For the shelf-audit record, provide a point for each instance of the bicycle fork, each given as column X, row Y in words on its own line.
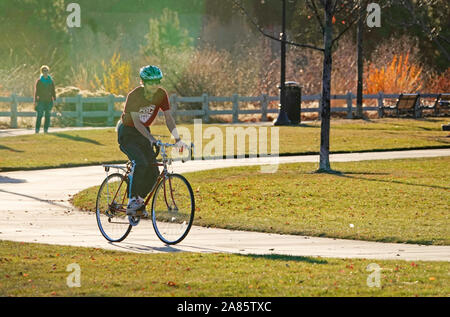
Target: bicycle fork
column 175, row 207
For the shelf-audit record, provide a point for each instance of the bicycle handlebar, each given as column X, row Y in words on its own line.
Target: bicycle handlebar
column 161, row 144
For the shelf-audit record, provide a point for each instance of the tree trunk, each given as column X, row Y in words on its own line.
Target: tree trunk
column 324, row 165
column 359, row 41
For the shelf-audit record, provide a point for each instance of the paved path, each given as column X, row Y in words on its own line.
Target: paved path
column 34, row 208
column 16, row 132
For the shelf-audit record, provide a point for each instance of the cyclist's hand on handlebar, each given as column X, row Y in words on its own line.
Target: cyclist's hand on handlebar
column 153, row 141
column 181, row 145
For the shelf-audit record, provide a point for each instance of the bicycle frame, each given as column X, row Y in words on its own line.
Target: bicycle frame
column 161, row 178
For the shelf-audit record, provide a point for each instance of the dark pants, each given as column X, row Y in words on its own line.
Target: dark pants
column 43, row 109
column 140, row 152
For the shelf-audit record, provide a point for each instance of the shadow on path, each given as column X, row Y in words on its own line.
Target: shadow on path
column 280, row 257
column 9, row 180
column 165, row 248
column 50, row 202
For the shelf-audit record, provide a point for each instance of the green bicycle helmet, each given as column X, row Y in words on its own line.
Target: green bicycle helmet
column 151, row 73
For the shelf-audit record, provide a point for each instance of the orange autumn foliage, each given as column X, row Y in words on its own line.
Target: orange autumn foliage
column 399, row 76
column 439, row 83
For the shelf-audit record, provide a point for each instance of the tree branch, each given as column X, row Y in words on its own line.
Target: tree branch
column 238, row 4
column 349, row 25
column 312, row 5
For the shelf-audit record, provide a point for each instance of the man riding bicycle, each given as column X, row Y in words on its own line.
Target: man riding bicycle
column 134, row 136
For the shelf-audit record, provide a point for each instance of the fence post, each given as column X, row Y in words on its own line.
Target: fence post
column 264, row 106
column 205, row 108
column 349, row 105
column 417, row 108
column 380, row 105
column 13, row 122
column 235, row 108
column 79, row 111
column 173, row 105
column 110, row 110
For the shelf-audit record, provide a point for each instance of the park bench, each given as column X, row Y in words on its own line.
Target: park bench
column 406, row 104
column 442, row 105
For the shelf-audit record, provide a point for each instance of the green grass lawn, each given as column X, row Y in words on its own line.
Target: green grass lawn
column 74, row 148
column 388, row 200
column 41, row 270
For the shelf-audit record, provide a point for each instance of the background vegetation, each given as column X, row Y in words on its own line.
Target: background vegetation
column 209, row 47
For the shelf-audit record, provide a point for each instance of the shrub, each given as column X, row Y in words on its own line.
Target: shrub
column 438, row 83
column 116, row 78
column 399, row 76
column 209, row 71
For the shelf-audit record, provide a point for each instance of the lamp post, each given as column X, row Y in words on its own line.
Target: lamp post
column 282, row 116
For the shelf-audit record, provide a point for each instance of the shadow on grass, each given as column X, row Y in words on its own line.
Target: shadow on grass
column 443, row 141
column 76, row 138
column 307, row 125
column 4, row 147
column 339, row 173
column 349, row 175
column 281, row 257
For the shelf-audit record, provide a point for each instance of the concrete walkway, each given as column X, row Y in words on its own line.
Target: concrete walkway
column 16, row 132
column 34, row 208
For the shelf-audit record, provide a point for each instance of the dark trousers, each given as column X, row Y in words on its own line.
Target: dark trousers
column 43, row 109
column 140, row 152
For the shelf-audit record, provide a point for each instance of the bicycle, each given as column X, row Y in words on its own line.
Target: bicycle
column 172, row 207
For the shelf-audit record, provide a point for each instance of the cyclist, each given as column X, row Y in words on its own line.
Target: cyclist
column 134, row 136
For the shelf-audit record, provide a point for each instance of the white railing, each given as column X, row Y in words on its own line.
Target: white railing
column 205, row 112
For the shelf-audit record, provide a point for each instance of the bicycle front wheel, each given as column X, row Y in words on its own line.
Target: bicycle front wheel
column 111, row 208
column 173, row 209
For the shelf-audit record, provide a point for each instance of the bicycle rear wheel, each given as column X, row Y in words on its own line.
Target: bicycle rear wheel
column 111, row 208
column 173, row 209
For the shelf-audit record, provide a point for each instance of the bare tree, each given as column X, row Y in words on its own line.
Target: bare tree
column 360, row 59
column 325, row 12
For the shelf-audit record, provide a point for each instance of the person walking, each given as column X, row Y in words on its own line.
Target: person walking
column 44, row 96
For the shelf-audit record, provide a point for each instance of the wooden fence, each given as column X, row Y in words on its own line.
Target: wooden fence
column 205, row 112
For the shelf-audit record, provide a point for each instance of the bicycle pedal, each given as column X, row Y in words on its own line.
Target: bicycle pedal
column 141, row 213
